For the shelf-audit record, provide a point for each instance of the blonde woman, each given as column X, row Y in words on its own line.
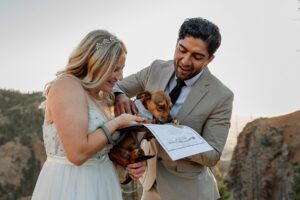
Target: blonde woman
column 79, row 130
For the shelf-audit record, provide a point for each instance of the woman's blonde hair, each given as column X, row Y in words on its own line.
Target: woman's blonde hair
column 94, row 60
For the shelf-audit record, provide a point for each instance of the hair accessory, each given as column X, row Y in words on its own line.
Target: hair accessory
column 105, row 42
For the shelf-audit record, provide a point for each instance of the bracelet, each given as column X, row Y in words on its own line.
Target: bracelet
column 107, row 134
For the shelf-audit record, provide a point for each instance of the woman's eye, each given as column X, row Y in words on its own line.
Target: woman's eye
column 118, row 69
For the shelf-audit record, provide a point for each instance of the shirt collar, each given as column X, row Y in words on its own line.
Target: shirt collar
column 190, row 82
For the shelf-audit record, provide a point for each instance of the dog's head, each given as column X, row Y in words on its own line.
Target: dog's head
column 158, row 103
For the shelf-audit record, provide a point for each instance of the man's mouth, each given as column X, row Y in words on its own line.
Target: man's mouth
column 184, row 70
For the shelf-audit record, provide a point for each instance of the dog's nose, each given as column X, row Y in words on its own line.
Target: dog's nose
column 170, row 119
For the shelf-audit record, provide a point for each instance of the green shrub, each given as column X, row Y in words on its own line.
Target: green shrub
column 224, row 191
column 296, row 182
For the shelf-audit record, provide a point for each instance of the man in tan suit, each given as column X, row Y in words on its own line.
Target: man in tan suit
column 204, row 104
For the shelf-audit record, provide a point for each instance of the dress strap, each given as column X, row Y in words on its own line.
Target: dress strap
column 101, row 107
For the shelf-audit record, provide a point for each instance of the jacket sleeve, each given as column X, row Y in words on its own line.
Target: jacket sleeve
column 134, row 83
column 215, row 132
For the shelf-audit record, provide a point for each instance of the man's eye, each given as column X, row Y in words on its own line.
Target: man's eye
column 198, row 57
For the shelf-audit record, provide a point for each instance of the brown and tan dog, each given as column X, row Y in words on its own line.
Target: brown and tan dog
column 128, row 150
column 158, row 103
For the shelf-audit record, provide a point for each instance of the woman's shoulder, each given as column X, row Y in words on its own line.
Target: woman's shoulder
column 67, row 83
column 67, row 87
column 66, row 95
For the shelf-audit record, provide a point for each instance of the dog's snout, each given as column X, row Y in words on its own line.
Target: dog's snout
column 170, row 119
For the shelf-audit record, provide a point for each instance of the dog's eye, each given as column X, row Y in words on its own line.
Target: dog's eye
column 161, row 106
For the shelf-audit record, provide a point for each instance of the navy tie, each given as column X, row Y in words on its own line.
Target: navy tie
column 174, row 94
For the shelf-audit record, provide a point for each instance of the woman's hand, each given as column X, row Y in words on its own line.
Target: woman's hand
column 125, row 120
column 136, row 170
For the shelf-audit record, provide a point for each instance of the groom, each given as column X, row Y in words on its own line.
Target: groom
column 200, row 101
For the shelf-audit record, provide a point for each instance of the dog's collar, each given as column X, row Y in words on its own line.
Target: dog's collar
column 142, row 110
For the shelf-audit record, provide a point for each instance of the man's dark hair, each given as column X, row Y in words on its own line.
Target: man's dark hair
column 202, row 29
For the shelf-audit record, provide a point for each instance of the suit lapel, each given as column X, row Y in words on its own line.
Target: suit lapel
column 167, row 74
column 196, row 94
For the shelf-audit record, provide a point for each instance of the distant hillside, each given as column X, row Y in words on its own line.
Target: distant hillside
column 266, row 160
column 237, row 125
column 21, row 148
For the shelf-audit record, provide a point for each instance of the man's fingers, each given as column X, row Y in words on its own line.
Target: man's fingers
column 119, row 109
column 133, row 108
column 137, row 165
column 137, row 169
column 126, row 107
column 135, row 176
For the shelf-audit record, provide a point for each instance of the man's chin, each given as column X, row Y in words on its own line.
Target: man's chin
column 183, row 76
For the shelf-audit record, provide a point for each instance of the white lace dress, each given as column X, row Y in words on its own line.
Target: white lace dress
column 61, row 180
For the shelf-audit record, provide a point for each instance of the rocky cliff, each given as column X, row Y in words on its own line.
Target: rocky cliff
column 265, row 162
column 21, row 148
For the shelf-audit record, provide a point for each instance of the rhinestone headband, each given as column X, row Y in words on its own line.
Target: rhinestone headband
column 105, row 42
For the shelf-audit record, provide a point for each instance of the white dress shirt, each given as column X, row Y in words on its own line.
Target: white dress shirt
column 184, row 91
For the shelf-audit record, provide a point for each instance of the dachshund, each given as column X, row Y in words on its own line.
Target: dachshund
column 154, row 106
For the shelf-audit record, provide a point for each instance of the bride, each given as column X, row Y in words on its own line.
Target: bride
column 79, row 129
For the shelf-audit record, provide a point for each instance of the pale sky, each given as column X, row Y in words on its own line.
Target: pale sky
column 259, row 58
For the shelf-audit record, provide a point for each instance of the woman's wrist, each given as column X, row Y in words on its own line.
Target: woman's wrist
column 107, row 134
column 118, row 122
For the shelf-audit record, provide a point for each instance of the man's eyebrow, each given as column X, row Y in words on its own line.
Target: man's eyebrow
column 181, row 45
column 199, row 54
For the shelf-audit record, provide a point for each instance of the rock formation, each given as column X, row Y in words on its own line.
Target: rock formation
column 266, row 159
column 21, row 148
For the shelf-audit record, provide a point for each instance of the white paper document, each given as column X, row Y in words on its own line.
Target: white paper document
column 178, row 141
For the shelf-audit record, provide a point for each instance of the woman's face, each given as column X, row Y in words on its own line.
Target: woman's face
column 117, row 75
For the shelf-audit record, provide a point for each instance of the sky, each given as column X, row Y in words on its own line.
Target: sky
column 259, row 58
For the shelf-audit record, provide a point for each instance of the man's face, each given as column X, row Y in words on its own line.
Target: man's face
column 190, row 57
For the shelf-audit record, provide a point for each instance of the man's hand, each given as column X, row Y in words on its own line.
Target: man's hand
column 123, row 104
column 136, row 170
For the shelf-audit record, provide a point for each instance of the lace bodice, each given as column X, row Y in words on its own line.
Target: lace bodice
column 52, row 141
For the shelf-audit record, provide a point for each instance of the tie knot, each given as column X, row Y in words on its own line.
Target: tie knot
column 174, row 94
column 180, row 83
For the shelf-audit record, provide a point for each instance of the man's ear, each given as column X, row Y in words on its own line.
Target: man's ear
column 143, row 96
column 210, row 59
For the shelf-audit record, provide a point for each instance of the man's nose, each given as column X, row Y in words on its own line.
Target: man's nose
column 186, row 60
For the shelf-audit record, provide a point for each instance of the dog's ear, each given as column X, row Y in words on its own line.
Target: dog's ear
column 143, row 96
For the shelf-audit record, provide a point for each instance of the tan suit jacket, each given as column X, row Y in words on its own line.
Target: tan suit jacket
column 207, row 109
